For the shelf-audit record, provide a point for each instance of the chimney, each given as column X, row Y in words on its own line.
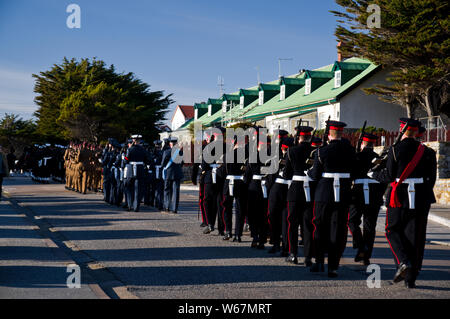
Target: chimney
column 339, row 52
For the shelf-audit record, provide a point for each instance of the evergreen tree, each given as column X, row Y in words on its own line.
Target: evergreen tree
column 412, row 40
column 89, row 101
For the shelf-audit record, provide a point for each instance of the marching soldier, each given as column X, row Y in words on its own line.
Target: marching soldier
column 208, row 189
column 299, row 193
column 308, row 227
column 367, row 198
column 332, row 167
column 234, row 189
column 159, row 183
column 411, row 171
column 136, row 161
column 257, row 191
column 172, row 175
column 277, row 213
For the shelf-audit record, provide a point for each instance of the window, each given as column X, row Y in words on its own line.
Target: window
column 308, row 86
column 209, row 110
column 283, row 92
column 196, row 114
column 261, row 97
column 242, row 101
column 337, row 79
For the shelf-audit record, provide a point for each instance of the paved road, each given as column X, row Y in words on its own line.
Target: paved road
column 154, row 255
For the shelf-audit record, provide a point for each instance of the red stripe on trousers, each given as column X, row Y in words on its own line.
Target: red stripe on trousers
column 203, row 203
column 386, row 231
column 314, row 217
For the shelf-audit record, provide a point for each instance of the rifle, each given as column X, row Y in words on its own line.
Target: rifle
column 380, row 162
column 358, row 145
column 327, row 131
column 297, row 134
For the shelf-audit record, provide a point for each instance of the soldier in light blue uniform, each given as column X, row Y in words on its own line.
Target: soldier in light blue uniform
column 172, row 175
column 136, row 160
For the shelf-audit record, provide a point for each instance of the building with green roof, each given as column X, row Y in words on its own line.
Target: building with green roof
column 334, row 90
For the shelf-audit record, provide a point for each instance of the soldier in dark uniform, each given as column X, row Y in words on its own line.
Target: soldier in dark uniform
column 299, row 194
column 332, row 169
column 149, row 198
column 195, row 176
column 208, row 181
column 159, row 183
column 234, row 189
column 106, row 160
column 308, row 226
column 367, row 198
column 136, row 161
column 172, row 175
column 277, row 212
column 255, row 178
column 411, row 170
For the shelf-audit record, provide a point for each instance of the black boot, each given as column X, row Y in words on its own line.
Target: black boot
column 402, row 272
column 292, row 259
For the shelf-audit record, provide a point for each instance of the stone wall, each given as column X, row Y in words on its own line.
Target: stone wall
column 442, row 187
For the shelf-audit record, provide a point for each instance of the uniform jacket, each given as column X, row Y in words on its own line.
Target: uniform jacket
column 175, row 171
column 362, row 166
column 398, row 158
column 296, row 165
column 336, row 157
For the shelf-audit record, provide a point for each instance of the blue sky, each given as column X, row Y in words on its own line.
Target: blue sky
column 178, row 46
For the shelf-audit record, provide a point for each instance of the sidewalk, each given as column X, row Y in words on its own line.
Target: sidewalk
column 32, row 267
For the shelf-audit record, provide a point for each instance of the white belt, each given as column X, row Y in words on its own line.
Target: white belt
column 411, row 190
column 231, row 179
column 305, row 179
column 158, row 167
column 45, row 160
column 263, row 184
column 366, row 182
column 135, row 165
column 283, row 181
column 214, row 172
column 336, row 184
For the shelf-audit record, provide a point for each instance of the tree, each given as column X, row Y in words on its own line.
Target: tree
column 16, row 132
column 89, row 101
column 412, row 40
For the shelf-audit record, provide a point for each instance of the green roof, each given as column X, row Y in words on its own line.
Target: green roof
column 298, row 101
column 292, row 81
column 243, row 92
column 269, row 87
column 230, row 97
column 200, row 106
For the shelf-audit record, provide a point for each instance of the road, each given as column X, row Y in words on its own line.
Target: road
column 44, row 228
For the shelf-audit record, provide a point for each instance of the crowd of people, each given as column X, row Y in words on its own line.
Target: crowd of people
column 322, row 189
column 134, row 173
